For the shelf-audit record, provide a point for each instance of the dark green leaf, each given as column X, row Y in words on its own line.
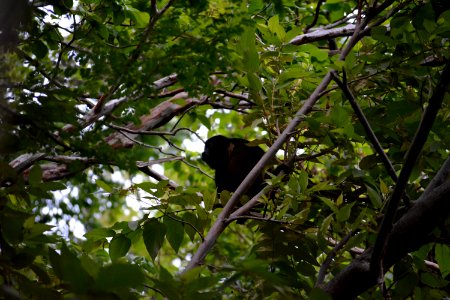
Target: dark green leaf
column 35, row 175
column 154, row 233
column 118, row 277
column 442, row 253
column 99, row 233
column 119, row 246
column 39, row 49
column 175, row 232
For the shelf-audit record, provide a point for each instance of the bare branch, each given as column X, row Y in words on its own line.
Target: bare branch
column 323, row 34
column 159, row 177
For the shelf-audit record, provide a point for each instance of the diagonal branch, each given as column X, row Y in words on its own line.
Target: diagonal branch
column 411, row 231
column 365, row 123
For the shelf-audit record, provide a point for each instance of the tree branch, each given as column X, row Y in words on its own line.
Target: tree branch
column 323, row 34
column 412, row 230
column 366, row 125
column 411, row 157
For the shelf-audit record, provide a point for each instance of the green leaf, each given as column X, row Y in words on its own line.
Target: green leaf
column 295, row 72
column 344, row 213
column 104, row 185
column 326, row 224
column 71, row 270
column 37, row 229
column 39, row 49
column 141, row 18
column 255, row 83
column 319, row 294
column 255, row 5
column 442, row 253
column 368, row 162
column 53, row 186
column 99, row 233
column 12, row 225
column 175, row 232
column 35, row 175
column 119, row 246
column 154, row 233
column 383, row 187
column 374, row 197
column 275, row 27
column 250, row 56
column 433, row 280
column 329, row 203
column 406, row 285
column 119, row 277
column 315, row 52
column 209, row 199
column 89, row 265
column 339, row 116
column 303, row 180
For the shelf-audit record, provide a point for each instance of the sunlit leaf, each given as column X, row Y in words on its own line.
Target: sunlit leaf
column 442, row 253
column 99, row 233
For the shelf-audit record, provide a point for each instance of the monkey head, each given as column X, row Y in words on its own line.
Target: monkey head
column 216, row 151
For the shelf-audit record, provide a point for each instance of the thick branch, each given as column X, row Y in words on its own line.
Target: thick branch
column 412, row 231
column 410, row 160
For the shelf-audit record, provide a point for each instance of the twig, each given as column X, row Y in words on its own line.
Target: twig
column 331, row 255
column 185, row 222
column 159, row 177
column 316, row 17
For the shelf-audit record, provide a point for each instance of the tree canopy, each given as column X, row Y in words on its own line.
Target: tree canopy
column 104, row 109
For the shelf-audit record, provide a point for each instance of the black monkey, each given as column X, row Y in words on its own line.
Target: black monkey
column 232, row 159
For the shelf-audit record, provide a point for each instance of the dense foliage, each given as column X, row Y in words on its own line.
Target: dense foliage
column 104, row 107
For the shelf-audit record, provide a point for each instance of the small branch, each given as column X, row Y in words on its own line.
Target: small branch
column 158, row 177
column 243, row 97
column 316, row 16
column 157, row 161
column 38, row 67
column 159, row 148
column 312, row 156
column 185, row 222
column 330, row 257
